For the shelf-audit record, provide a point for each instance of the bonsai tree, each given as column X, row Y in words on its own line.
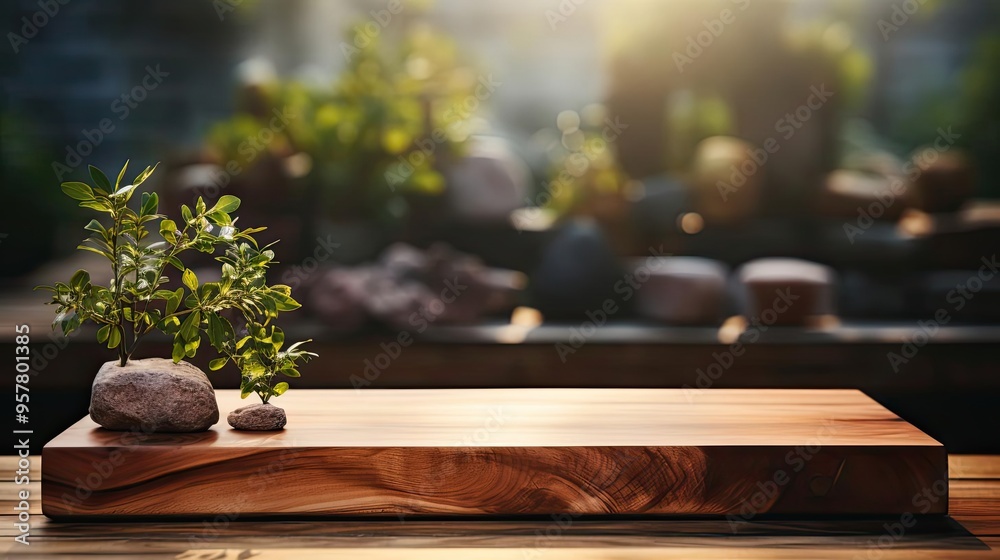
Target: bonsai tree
column 137, row 301
column 258, row 354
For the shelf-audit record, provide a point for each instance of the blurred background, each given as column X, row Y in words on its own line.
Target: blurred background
column 556, row 193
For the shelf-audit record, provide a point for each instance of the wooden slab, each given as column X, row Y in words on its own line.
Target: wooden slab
column 725, row 452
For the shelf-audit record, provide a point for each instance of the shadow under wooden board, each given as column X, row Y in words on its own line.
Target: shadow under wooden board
column 725, row 453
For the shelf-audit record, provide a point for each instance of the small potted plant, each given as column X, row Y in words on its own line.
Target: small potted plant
column 157, row 394
column 258, row 354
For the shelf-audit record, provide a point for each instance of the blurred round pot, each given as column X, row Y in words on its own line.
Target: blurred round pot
column 787, row 291
column 488, row 183
column 681, row 290
column 946, row 180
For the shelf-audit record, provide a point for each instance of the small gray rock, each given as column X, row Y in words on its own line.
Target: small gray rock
column 153, row 395
column 258, row 417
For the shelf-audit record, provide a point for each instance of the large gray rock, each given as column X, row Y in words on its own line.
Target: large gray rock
column 257, row 417
column 153, row 394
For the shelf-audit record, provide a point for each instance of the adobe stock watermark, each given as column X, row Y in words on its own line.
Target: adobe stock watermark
column 263, row 480
column 922, row 502
column 768, row 491
column 548, row 537
column 564, row 10
column 322, row 252
column 419, row 320
column 707, row 377
column 122, row 107
column 31, row 25
column 579, row 158
column 901, row 13
column 101, row 471
column 223, row 7
column 366, row 33
column 959, row 297
column 456, row 116
column 248, row 150
column 597, row 318
column 41, row 359
column 437, row 480
column 943, row 142
column 699, row 42
column 787, row 126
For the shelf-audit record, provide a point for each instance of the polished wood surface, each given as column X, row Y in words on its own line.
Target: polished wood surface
column 972, row 531
column 513, row 452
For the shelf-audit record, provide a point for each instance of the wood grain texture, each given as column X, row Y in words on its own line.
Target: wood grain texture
column 740, row 453
column 973, row 466
column 961, row 536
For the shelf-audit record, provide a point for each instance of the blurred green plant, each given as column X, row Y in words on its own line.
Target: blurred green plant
column 968, row 103
column 584, row 172
column 136, row 302
column 380, row 130
column 979, row 111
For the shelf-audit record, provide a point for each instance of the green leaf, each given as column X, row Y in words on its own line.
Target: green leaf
column 290, row 372
column 220, row 219
column 125, row 191
column 96, row 227
column 121, row 174
column 109, row 256
column 190, row 279
column 144, row 175
column 170, row 325
column 78, row 191
column 218, row 334
column 100, row 204
column 80, row 280
column 190, row 326
column 168, row 231
column 68, row 321
column 100, row 179
column 102, row 333
column 280, row 388
column 163, row 294
column 227, row 203
column 149, row 204
column 178, row 350
column 174, row 301
column 191, row 346
column 245, row 390
column 114, row 337
column 277, row 338
column 208, row 291
column 217, row 364
column 283, row 302
column 186, row 213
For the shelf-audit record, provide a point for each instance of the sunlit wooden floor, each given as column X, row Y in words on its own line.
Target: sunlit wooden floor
column 971, row 531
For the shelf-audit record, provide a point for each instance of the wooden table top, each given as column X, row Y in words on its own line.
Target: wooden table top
column 971, row 531
column 512, row 452
column 547, row 418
